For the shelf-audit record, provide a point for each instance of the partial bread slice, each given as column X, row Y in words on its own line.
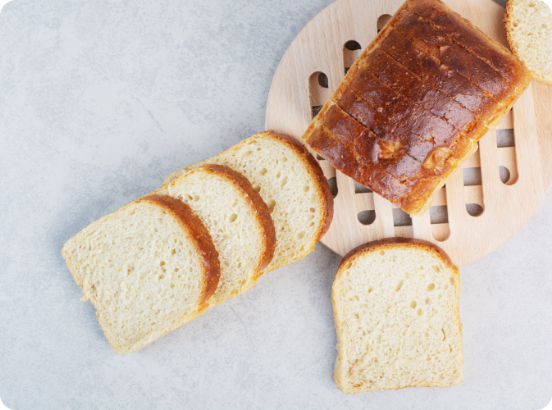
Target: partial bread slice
column 396, row 311
column 529, row 33
column 292, row 185
column 237, row 219
column 147, row 268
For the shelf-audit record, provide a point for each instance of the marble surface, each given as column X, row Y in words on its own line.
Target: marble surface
column 99, row 101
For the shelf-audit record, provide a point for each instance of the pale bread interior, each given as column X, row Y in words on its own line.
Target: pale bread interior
column 287, row 187
column 397, row 320
column 232, row 224
column 141, row 272
column 529, row 33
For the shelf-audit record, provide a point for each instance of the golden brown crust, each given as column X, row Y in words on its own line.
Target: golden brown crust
column 263, row 218
column 413, row 105
column 463, row 32
column 198, row 234
column 337, row 154
column 431, row 186
column 457, row 91
column 324, row 192
column 397, row 242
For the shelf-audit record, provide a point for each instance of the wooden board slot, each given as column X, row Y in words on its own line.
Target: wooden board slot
column 351, row 51
column 319, row 91
column 472, row 176
column 361, row 189
column 401, row 218
column 333, row 186
column 382, row 21
column 367, row 217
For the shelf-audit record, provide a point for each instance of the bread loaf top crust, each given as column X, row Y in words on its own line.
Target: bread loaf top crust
column 413, row 106
column 467, row 35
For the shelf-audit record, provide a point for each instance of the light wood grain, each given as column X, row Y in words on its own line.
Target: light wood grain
column 320, row 47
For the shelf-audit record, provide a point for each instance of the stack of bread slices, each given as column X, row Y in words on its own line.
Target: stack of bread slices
column 207, row 235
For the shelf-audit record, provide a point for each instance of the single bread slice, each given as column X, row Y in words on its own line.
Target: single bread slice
column 529, row 32
column 237, row 219
column 396, row 311
column 292, row 185
column 147, row 268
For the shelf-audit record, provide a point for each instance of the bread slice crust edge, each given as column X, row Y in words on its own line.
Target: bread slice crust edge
column 198, row 233
column 324, row 192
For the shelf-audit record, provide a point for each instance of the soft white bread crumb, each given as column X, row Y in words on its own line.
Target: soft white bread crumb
column 529, row 32
column 147, row 269
column 237, row 219
column 291, row 184
column 396, row 310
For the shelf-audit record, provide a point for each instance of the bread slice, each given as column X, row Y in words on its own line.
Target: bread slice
column 237, row 219
column 396, row 311
column 292, row 185
column 528, row 26
column 147, row 268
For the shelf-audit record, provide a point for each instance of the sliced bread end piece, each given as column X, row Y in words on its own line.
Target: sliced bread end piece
column 147, row 268
column 238, row 220
column 528, row 26
column 396, row 311
column 290, row 182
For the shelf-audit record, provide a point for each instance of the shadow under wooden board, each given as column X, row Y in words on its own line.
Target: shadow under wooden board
column 482, row 205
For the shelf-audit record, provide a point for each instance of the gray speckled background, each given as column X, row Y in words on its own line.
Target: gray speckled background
column 99, row 100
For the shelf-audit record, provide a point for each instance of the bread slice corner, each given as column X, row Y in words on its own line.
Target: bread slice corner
column 147, row 268
column 528, row 25
column 396, row 311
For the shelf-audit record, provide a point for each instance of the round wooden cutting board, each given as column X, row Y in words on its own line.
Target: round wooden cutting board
column 482, row 206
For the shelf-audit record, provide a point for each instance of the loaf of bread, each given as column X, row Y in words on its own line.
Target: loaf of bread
column 238, row 221
column 290, row 182
column 413, row 106
column 147, row 268
column 528, row 26
column 396, row 312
